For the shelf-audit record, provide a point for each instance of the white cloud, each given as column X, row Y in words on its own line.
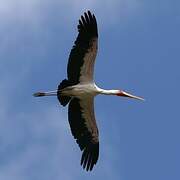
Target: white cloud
column 31, row 143
column 32, row 139
column 34, row 10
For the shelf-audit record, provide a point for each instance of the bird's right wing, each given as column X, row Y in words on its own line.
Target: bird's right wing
column 80, row 67
column 84, row 129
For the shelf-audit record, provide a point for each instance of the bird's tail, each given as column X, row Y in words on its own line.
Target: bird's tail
column 64, row 100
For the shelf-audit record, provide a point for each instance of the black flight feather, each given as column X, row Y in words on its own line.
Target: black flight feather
column 87, row 29
column 82, row 135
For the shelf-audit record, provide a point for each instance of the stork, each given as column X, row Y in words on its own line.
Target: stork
column 79, row 90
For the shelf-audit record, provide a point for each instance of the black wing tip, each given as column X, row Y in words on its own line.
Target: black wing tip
column 88, row 23
column 88, row 16
column 88, row 13
column 90, row 156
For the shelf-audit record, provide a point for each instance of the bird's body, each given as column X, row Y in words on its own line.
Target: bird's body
column 79, row 90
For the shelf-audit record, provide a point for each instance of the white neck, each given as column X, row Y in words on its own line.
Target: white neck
column 108, row 92
column 118, row 93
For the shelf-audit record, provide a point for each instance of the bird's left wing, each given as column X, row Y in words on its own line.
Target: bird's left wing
column 80, row 67
column 84, row 129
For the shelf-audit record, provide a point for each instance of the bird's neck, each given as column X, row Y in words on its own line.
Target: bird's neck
column 109, row 92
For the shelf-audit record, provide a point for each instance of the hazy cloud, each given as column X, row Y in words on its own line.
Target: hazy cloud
column 34, row 11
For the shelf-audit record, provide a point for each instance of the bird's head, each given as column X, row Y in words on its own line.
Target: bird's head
column 125, row 94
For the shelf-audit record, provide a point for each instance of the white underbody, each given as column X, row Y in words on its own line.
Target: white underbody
column 82, row 90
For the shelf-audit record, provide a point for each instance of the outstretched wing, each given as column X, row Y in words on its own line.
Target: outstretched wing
column 83, row 54
column 84, row 129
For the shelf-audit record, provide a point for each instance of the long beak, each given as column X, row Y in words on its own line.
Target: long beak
column 49, row 93
column 125, row 94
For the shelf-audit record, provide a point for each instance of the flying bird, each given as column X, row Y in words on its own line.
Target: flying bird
column 79, row 90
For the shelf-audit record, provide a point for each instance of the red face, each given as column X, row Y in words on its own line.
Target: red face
column 122, row 93
column 125, row 94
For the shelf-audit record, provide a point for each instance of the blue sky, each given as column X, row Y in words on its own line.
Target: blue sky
column 138, row 51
